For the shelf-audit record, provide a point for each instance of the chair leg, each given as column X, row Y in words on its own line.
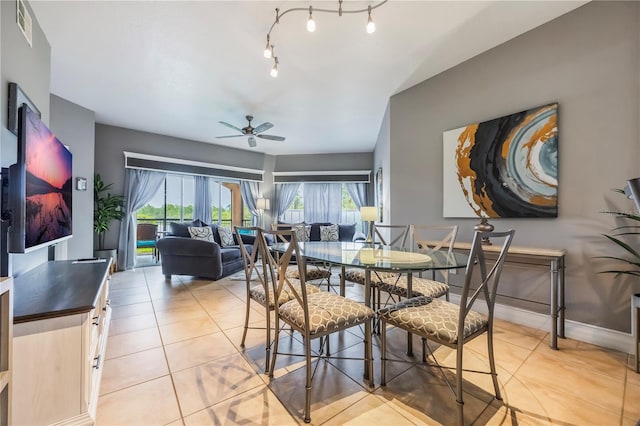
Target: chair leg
column 459, row 396
column 246, row 322
column 307, row 394
column 368, row 351
column 267, row 342
column 276, row 339
column 383, row 349
column 492, row 365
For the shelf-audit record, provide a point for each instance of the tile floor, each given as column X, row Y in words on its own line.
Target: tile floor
column 174, row 358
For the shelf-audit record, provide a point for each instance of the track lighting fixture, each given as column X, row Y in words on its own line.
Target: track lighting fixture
column 311, row 25
column 371, row 26
column 268, row 49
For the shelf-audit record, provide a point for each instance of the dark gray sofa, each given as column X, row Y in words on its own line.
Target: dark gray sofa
column 182, row 255
column 346, row 232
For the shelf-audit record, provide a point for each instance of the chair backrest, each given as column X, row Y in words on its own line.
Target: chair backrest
column 434, row 237
column 275, row 270
column 391, row 235
column 146, row 231
column 486, row 283
column 250, row 256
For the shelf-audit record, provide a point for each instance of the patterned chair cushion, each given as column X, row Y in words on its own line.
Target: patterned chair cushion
column 419, row 287
column 313, row 273
column 357, row 275
column 436, row 320
column 257, row 293
column 327, row 312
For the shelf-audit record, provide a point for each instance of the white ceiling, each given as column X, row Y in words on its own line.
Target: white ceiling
column 178, row 67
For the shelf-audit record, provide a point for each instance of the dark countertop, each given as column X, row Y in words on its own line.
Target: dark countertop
column 56, row 289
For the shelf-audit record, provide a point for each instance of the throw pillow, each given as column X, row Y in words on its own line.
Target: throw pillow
column 302, row 232
column 201, row 233
column 226, row 236
column 329, row 233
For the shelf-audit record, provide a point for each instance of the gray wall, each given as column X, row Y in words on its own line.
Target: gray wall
column 75, row 127
column 588, row 61
column 112, row 141
column 382, row 159
column 30, row 68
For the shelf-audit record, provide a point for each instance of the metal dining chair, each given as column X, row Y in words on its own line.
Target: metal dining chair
column 450, row 324
column 258, row 289
column 313, row 315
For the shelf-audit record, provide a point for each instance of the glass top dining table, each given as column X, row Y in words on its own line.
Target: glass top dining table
column 377, row 257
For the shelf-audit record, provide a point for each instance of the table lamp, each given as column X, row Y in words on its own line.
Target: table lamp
column 369, row 215
column 262, row 204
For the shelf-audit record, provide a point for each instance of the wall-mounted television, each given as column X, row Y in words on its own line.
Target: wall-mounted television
column 40, row 187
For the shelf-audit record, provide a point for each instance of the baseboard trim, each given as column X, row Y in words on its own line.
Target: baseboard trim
column 588, row 333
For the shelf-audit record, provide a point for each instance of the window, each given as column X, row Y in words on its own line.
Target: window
column 349, row 212
column 172, row 203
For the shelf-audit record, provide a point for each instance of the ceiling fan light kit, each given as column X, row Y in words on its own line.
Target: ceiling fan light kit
column 251, row 131
column 311, row 25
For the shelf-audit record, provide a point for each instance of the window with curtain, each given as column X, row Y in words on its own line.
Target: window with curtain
column 349, row 212
column 173, row 202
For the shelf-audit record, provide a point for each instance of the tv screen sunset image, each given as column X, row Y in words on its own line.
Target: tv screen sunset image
column 48, row 185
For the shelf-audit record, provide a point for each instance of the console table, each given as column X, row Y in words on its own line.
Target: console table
column 61, row 323
column 549, row 259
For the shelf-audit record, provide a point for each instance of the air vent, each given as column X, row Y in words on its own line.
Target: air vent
column 23, row 18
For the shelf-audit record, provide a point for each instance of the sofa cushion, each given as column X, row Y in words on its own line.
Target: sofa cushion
column 329, row 233
column 346, row 232
column 230, row 253
column 314, row 235
column 302, row 232
column 181, row 229
column 226, row 236
column 201, row 233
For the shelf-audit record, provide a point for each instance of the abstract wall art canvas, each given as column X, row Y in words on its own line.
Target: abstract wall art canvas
column 506, row 167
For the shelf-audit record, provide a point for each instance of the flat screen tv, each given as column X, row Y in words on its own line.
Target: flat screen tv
column 40, row 187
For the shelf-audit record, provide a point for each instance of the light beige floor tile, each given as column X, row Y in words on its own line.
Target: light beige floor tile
column 150, row 403
column 537, row 400
column 136, row 341
column 331, row 393
column 133, row 369
column 632, row 401
column 199, row 350
column 509, row 357
column 126, row 297
column 184, row 330
column 573, row 379
column 370, row 410
column 207, row 384
column 528, row 338
column 498, row 413
column 182, row 302
column 123, row 311
column 170, row 316
column 257, row 406
column 132, row 323
column 421, row 396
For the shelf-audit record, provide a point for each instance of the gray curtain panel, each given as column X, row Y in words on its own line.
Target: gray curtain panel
column 359, row 193
column 250, row 191
column 285, row 194
column 202, row 199
column 322, row 202
column 139, row 187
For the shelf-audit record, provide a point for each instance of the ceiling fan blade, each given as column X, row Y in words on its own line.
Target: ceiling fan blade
column 252, row 141
column 272, row 137
column 230, row 136
column 230, row 125
column 263, row 127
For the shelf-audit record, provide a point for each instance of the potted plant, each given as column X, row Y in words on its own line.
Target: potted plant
column 630, row 263
column 106, row 208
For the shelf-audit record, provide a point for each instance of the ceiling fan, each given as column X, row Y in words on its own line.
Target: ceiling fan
column 252, row 131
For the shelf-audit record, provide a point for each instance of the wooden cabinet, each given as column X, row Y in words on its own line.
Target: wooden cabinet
column 60, row 334
column 6, row 333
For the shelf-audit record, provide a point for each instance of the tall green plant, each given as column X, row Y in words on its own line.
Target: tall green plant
column 106, row 208
column 631, row 262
